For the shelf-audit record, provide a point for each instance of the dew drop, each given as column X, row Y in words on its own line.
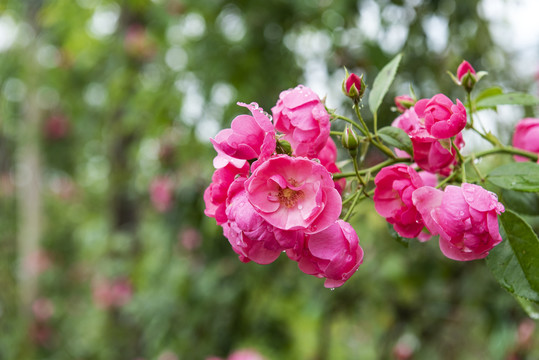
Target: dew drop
column 332, row 289
column 300, row 206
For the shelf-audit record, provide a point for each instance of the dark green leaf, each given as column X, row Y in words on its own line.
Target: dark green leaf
column 508, row 99
column 522, row 202
column 396, row 137
column 514, row 262
column 520, row 176
column 382, row 82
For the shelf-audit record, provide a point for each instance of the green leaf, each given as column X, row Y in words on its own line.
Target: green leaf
column 382, row 82
column 522, row 202
column 493, row 91
column 515, row 98
column 514, row 262
column 531, row 308
column 396, row 137
column 520, row 176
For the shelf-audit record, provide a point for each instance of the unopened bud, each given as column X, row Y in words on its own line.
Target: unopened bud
column 404, row 102
column 353, row 86
column 350, row 140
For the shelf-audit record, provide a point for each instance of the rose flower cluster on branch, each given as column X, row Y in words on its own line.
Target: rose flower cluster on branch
column 277, row 188
column 273, row 190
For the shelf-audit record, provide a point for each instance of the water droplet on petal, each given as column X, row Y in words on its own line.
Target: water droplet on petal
column 300, row 206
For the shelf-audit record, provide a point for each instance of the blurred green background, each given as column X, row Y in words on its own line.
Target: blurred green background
column 106, row 108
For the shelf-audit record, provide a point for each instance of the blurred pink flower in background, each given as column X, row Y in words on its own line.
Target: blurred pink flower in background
column 37, row 262
column 190, row 238
column 109, row 293
column 43, row 309
column 56, row 127
column 162, row 193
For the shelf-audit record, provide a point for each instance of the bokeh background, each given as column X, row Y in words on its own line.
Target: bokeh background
column 106, row 108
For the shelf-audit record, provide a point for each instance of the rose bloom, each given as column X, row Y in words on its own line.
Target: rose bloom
column 393, row 198
column 216, row 194
column 333, row 254
column 294, row 194
column 249, row 137
column 303, row 118
column 443, row 119
column 250, row 236
column 430, row 155
column 466, row 218
column 526, row 137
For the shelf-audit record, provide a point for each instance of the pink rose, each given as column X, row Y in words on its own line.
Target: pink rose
column 294, row 194
column 250, row 137
column 409, row 121
column 302, row 117
column 216, row 194
column 328, row 157
column 250, row 236
column 466, row 218
column 430, row 155
column 443, row 119
column 162, row 193
column 393, row 198
column 333, row 254
column 526, row 137
column 463, row 69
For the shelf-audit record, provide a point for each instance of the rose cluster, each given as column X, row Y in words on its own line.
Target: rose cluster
column 465, row 217
column 273, row 191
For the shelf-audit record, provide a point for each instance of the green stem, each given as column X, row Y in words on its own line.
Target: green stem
column 338, row 133
column 372, row 169
column 476, row 169
column 469, row 99
column 351, row 208
column 446, row 180
column 358, row 114
column 461, row 160
column 506, row 150
column 350, row 121
column 356, row 168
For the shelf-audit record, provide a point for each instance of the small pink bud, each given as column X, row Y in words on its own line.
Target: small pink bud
column 404, row 102
column 466, row 76
column 353, row 86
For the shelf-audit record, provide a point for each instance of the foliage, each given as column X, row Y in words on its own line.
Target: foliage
column 99, row 98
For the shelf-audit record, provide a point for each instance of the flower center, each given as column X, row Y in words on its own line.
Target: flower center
column 289, row 197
